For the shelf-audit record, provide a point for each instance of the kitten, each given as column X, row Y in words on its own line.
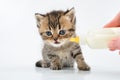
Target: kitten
column 56, row 28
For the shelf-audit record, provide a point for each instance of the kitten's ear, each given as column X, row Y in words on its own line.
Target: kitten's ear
column 39, row 17
column 70, row 14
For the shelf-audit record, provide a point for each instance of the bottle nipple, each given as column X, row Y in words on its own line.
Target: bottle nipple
column 75, row 39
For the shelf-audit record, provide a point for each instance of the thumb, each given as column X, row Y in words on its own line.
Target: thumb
column 111, row 24
column 115, row 22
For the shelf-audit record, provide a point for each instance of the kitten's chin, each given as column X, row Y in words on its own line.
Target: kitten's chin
column 56, row 44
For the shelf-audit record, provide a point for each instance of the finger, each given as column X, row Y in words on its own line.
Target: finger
column 112, row 49
column 116, row 42
column 111, row 45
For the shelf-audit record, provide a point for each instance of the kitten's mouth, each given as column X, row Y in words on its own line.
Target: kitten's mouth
column 56, row 42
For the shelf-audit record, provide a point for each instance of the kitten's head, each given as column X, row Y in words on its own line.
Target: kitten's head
column 56, row 27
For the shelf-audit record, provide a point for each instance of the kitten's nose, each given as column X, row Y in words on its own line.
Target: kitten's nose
column 55, row 38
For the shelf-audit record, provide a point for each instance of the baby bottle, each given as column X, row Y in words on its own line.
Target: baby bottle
column 99, row 38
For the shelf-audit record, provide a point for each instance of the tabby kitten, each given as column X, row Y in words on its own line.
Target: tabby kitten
column 56, row 28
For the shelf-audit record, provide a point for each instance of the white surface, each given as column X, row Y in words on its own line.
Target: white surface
column 20, row 43
column 32, row 73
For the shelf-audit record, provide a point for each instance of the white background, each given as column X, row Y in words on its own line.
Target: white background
column 20, row 43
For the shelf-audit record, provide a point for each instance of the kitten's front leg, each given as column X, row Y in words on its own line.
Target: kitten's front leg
column 55, row 62
column 81, row 63
column 77, row 55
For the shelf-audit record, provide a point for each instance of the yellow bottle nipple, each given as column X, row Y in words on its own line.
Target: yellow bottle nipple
column 75, row 39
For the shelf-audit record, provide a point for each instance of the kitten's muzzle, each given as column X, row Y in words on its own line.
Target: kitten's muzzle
column 56, row 42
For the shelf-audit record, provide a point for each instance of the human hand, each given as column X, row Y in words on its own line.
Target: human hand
column 114, row 44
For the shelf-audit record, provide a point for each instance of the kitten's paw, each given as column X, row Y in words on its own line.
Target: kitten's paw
column 42, row 64
column 84, row 67
column 55, row 67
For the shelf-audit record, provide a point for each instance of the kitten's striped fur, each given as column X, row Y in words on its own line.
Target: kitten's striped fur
column 56, row 28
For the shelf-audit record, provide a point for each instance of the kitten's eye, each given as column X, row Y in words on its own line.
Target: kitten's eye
column 48, row 33
column 62, row 32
